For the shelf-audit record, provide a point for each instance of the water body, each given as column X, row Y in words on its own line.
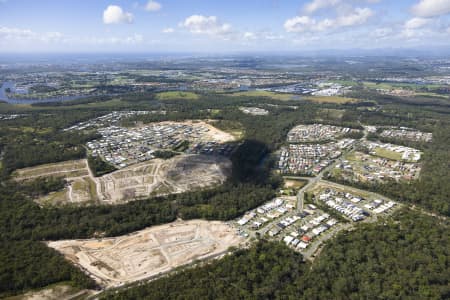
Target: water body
column 12, row 85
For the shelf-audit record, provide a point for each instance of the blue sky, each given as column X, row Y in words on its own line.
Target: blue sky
column 220, row 26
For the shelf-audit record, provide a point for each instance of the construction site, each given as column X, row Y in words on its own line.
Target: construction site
column 150, row 252
column 155, row 177
column 160, row 177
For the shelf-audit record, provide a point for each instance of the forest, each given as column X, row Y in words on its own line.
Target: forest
column 99, row 167
column 27, row 265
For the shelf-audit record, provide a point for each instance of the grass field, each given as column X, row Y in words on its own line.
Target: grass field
column 388, row 154
column 177, row 96
column 267, row 94
column 331, row 99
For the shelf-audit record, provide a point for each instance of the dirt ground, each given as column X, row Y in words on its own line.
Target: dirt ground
column 143, row 254
column 154, row 177
column 67, row 169
column 54, row 292
column 158, row 177
column 292, row 183
column 213, row 134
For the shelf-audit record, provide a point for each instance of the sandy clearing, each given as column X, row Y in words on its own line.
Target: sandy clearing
column 116, row 261
column 213, row 133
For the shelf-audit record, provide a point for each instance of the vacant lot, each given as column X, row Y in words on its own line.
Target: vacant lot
column 234, row 128
column 54, row 292
column 294, row 183
column 152, row 251
column 213, row 134
column 388, row 154
column 67, row 169
column 158, row 177
column 154, row 177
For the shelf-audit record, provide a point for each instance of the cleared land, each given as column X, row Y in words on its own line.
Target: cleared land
column 294, row 183
column 54, row 292
column 157, row 177
column 154, row 177
column 235, row 129
column 116, row 261
column 213, row 133
column 67, row 169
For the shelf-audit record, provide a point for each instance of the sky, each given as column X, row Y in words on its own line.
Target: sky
column 218, row 26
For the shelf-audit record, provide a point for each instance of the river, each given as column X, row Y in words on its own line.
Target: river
column 11, row 85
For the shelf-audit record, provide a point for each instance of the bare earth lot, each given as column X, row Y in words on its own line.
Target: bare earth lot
column 155, row 177
column 179, row 174
column 67, row 169
column 116, row 261
column 213, row 133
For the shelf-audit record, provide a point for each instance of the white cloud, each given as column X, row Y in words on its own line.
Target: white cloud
column 114, row 14
column 153, row 6
column 316, row 5
column 249, row 35
column 16, row 33
column 168, row 30
column 208, row 25
column 133, row 39
column 299, row 24
column 272, row 37
column 415, row 23
column 355, row 17
column 26, row 35
column 381, row 33
column 12, row 37
column 431, row 8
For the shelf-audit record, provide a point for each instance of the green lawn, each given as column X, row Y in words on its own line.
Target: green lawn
column 388, row 154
